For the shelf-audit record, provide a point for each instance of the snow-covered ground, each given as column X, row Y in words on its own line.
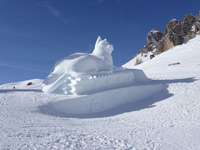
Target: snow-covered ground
column 167, row 120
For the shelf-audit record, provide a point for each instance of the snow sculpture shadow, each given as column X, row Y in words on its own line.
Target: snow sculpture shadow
column 136, row 102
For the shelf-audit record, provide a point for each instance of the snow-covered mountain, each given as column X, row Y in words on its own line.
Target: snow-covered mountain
column 166, row 120
column 176, row 33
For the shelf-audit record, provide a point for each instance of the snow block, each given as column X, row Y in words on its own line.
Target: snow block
column 106, row 100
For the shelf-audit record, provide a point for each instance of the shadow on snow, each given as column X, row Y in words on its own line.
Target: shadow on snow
column 19, row 90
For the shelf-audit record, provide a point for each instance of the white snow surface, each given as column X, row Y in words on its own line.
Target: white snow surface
column 166, row 120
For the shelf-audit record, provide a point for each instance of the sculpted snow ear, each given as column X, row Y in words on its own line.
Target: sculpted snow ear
column 98, row 40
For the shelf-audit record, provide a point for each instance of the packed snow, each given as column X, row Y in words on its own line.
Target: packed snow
column 94, row 75
column 166, row 120
column 79, row 66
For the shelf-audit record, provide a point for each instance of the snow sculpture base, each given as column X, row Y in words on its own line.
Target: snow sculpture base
column 106, row 100
column 100, row 82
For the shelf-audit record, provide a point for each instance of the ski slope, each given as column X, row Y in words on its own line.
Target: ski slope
column 166, row 120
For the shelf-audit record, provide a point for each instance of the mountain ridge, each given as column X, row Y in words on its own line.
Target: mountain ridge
column 176, row 33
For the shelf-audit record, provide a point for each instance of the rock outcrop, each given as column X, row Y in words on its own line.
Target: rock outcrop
column 153, row 39
column 176, row 33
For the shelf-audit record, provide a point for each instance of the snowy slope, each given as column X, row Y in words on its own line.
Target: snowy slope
column 168, row 120
column 187, row 55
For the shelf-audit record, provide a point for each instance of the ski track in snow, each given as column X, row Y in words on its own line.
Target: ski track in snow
column 167, row 120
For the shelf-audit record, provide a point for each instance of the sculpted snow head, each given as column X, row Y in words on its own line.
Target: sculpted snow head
column 103, row 46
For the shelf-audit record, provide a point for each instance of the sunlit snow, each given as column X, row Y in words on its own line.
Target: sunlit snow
column 166, row 120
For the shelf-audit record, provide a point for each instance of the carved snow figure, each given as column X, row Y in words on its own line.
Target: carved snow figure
column 82, row 73
column 101, row 86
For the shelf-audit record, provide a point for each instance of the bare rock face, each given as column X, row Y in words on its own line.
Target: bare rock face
column 176, row 33
column 190, row 35
column 174, row 26
column 164, row 45
column 189, row 27
column 153, row 39
column 197, row 27
column 179, row 32
column 189, row 20
column 154, row 36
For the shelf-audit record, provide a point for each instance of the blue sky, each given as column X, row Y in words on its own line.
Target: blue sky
column 34, row 34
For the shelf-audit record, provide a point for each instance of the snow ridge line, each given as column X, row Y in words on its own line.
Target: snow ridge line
column 111, row 74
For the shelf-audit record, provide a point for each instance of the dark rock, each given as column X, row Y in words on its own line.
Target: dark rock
column 154, row 36
column 152, row 56
column 177, row 33
column 178, row 63
column 189, row 36
column 197, row 27
column 29, row 83
column 153, row 39
column 174, row 27
column 189, row 19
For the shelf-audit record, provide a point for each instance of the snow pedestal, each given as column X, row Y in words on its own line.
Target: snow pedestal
column 105, row 100
column 101, row 82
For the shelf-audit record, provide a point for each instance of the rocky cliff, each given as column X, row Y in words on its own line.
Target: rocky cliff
column 176, row 33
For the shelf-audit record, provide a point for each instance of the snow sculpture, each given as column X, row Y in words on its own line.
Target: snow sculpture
column 82, row 73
